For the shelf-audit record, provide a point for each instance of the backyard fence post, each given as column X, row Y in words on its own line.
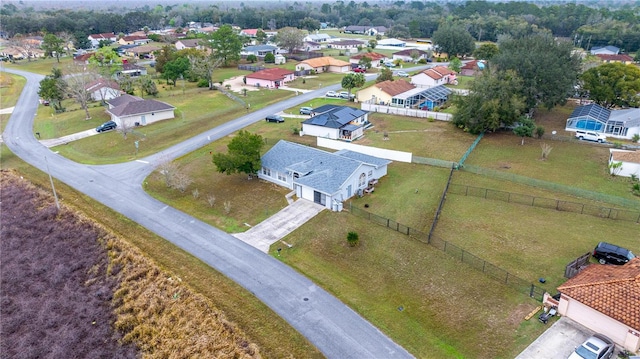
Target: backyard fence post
column 531, row 291
column 582, row 210
column 387, row 222
column 485, row 193
column 484, row 263
column 509, row 197
column 533, row 201
column 557, row 205
column 462, row 256
column 506, row 278
column 609, row 213
column 466, row 190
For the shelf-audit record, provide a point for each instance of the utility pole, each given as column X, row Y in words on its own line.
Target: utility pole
column 55, row 195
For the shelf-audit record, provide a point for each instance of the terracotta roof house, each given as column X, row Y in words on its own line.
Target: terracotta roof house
column 270, row 78
column 608, row 50
column 249, row 32
column 324, row 64
column 319, row 176
column 82, row 59
column 345, row 44
column 614, row 123
column 622, row 58
column 606, row 299
column 376, row 58
column 472, row 68
column 405, row 55
column 630, row 161
column 96, row 38
column 336, row 122
column 103, row 89
column 134, row 40
column 439, row 75
column 383, row 92
column 132, row 111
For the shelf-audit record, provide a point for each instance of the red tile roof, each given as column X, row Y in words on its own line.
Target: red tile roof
column 270, row 74
column 618, row 57
column 610, row 289
column 374, row 56
column 395, row 87
column 438, row 72
column 626, row 156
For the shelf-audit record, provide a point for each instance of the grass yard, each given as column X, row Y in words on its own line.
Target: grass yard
column 426, row 301
column 436, row 139
column 39, row 66
column 10, row 88
column 314, row 82
column 530, row 242
column 194, row 115
column 571, row 163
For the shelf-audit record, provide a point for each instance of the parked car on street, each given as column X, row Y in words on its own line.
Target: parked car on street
column 274, row 118
column 607, row 253
column 360, row 69
column 107, row 126
column 402, row 74
column 306, row 110
column 389, row 64
column 591, row 136
column 345, row 95
column 597, row 346
column 331, row 94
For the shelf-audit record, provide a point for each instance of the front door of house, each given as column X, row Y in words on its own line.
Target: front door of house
column 349, row 191
column 143, row 120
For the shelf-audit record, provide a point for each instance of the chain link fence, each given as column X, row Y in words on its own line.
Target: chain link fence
column 559, row 205
column 596, row 196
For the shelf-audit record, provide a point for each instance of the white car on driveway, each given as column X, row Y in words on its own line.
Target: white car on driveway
column 402, row 74
column 331, row 94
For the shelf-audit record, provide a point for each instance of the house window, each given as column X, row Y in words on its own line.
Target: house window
column 282, row 177
column 370, row 173
column 362, row 180
column 266, row 171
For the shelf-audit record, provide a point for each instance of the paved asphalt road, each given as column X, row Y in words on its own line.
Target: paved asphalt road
column 336, row 330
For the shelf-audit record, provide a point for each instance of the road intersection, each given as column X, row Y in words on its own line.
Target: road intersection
column 335, row 329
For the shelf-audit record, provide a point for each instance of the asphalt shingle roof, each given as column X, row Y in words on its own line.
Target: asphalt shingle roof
column 127, row 105
column 323, row 171
column 336, row 117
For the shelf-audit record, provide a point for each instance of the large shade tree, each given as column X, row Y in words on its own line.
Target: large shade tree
column 226, row 45
column 243, row 155
column 548, row 68
column 493, row 101
column 53, row 46
column 53, row 89
column 453, row 39
column 290, row 38
column 613, row 84
column 351, row 81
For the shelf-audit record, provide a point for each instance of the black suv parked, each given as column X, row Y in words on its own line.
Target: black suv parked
column 109, row 125
column 612, row 254
column 274, row 118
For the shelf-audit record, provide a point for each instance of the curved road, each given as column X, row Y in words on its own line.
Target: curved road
column 336, row 330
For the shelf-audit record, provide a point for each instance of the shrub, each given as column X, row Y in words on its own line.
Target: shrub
column 636, row 138
column 539, row 131
column 352, row 239
column 422, row 61
column 269, row 58
column 203, row 83
column 252, row 58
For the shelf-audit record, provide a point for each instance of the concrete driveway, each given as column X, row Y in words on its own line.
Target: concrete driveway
column 276, row 227
column 558, row 341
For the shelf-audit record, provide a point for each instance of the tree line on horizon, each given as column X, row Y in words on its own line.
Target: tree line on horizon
column 587, row 26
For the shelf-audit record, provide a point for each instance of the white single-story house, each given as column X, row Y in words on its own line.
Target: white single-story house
column 336, row 122
column 134, row 111
column 311, row 46
column 366, row 30
column 346, row 44
column 319, row 176
column 406, row 55
column 96, row 38
column 606, row 299
column 392, row 42
column 614, row 123
column 605, row 50
column 189, row 44
column 630, row 161
column 439, row 75
column 270, row 78
column 259, row 50
column 317, row 38
column 131, row 70
column 324, row 64
column 103, row 90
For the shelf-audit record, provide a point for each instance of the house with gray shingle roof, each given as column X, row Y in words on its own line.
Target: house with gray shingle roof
column 320, row 176
column 624, row 123
column 129, row 111
column 336, row 122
